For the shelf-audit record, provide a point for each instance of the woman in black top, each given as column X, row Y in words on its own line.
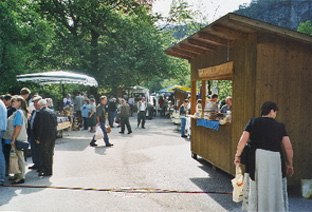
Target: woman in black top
column 266, row 169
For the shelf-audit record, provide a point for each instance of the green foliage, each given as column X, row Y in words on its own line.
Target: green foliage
column 24, row 40
column 115, row 41
column 225, row 88
column 305, row 27
column 180, row 13
column 179, row 25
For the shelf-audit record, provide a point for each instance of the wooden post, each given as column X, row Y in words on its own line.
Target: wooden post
column 193, row 97
column 203, row 95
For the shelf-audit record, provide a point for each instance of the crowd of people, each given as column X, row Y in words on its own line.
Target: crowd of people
column 21, row 124
column 34, row 122
column 27, row 119
column 33, row 119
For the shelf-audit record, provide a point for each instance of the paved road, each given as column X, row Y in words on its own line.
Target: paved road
column 152, row 158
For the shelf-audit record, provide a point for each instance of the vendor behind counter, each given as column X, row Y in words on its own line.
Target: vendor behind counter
column 212, row 104
column 225, row 109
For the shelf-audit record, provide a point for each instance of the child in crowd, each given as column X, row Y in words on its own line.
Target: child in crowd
column 85, row 112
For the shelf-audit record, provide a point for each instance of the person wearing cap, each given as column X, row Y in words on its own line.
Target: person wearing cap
column 34, row 146
column 45, row 130
column 101, row 119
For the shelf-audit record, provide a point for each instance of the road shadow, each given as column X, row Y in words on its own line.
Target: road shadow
column 73, row 143
column 9, row 191
column 6, row 194
column 216, row 183
column 101, row 149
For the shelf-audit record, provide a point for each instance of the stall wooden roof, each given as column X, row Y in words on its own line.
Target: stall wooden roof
column 227, row 29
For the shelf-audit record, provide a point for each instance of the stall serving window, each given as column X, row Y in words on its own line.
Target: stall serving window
column 213, row 108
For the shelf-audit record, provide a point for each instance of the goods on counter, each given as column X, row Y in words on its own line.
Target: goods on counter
column 61, row 119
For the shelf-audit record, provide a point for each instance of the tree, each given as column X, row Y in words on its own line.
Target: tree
column 24, row 41
column 305, row 27
column 115, row 41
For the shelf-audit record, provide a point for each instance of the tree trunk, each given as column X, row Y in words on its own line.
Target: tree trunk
column 94, row 57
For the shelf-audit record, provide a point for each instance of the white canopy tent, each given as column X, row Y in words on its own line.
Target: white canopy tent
column 58, row 77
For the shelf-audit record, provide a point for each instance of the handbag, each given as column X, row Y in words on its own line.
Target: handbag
column 238, row 185
column 244, row 157
column 21, row 145
column 13, row 167
column 108, row 128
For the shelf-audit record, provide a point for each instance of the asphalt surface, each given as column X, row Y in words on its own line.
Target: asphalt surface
column 148, row 170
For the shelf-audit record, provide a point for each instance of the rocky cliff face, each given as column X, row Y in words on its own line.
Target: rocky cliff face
column 284, row 13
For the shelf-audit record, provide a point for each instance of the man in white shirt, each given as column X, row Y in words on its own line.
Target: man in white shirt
column 212, row 104
column 141, row 112
column 131, row 104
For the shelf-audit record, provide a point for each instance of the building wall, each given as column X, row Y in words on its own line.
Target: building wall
column 284, row 75
column 244, row 88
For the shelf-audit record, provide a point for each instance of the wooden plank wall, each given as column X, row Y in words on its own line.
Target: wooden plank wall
column 213, row 145
column 284, row 75
column 244, row 88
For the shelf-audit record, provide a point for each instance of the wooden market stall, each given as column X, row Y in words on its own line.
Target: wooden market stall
column 264, row 62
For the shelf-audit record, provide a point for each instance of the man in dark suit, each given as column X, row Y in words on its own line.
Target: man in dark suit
column 31, row 138
column 45, row 130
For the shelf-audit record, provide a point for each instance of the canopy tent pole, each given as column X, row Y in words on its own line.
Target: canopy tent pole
column 63, row 89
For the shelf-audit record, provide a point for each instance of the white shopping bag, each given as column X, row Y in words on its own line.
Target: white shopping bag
column 238, row 185
column 98, row 133
column 306, row 188
column 14, row 167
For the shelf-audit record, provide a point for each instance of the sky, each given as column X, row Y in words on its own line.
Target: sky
column 210, row 10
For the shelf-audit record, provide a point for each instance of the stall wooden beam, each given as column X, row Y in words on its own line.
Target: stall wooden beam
column 184, row 52
column 175, row 54
column 193, row 97
column 222, row 71
column 228, row 33
column 213, row 39
column 193, row 48
column 196, row 46
column 203, row 94
column 208, row 47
